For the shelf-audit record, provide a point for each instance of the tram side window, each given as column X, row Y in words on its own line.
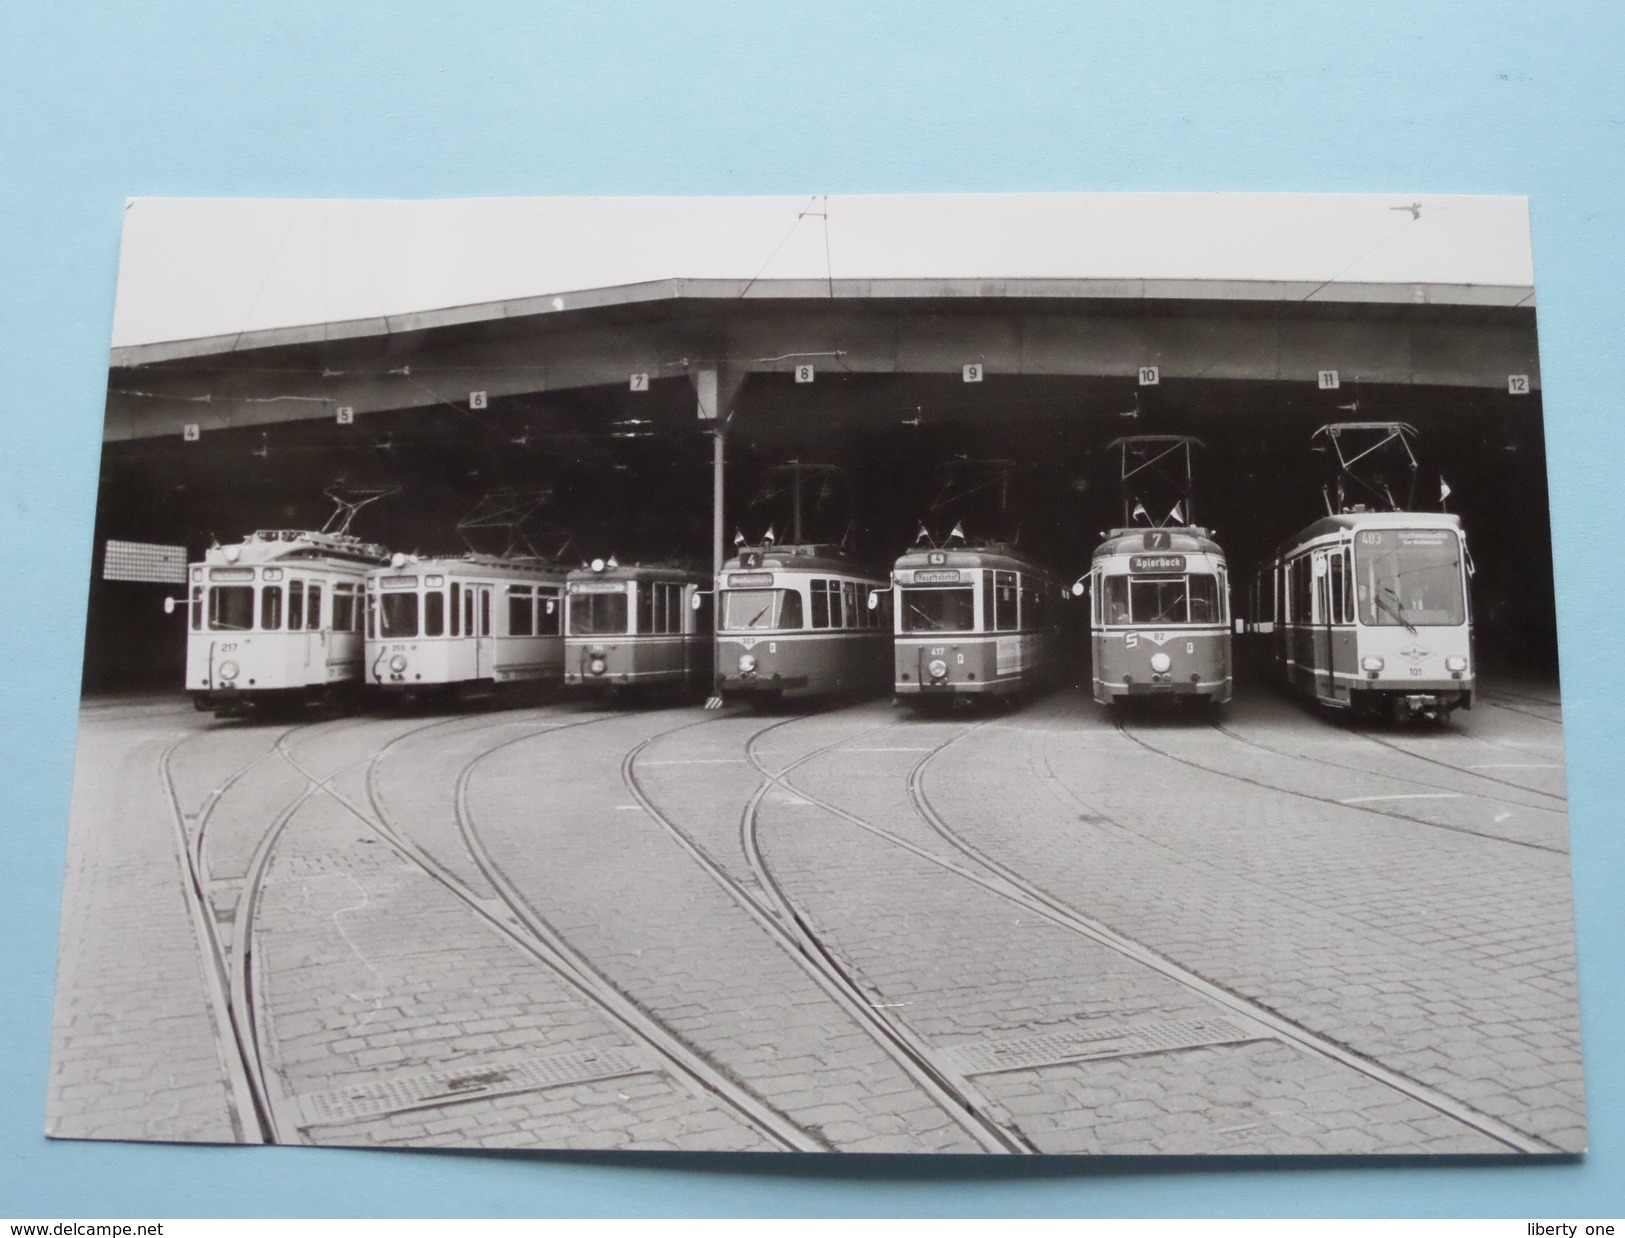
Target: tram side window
column 485, row 612
column 820, row 602
column 547, row 612
column 521, row 611
column 197, row 607
column 1204, row 599
column 271, row 608
column 434, row 613
column 1337, row 586
column 372, row 616
column 313, row 607
column 1299, row 587
column 1116, row 599
column 231, row 608
column 456, row 609
column 344, row 608
column 1032, row 603
column 296, row 605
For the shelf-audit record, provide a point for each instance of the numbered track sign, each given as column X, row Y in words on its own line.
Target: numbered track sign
column 191, row 432
column 640, row 382
column 804, row 373
column 1329, row 380
column 1517, row 384
column 972, row 373
column 345, row 415
column 1149, row 376
column 476, row 399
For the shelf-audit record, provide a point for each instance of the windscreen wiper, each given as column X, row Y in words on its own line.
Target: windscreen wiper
column 1396, row 610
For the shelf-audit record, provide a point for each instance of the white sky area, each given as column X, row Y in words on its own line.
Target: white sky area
column 191, row 268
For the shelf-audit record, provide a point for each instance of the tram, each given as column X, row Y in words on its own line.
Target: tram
column 1371, row 612
column 637, row 626
column 977, row 620
column 1159, row 616
column 801, row 620
column 466, row 624
column 276, row 620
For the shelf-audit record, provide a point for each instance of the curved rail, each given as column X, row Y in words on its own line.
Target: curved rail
column 530, row 932
column 780, row 918
column 1003, row 881
column 1326, row 799
column 1415, row 782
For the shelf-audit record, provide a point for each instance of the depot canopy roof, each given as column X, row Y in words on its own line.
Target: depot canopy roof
column 200, row 276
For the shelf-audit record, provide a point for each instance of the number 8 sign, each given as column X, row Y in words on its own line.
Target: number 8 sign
column 804, row 373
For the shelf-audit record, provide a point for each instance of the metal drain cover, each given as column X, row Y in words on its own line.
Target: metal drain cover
column 468, row 1079
column 1055, row 1048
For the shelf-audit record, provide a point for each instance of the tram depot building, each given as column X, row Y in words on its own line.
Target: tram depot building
column 834, row 921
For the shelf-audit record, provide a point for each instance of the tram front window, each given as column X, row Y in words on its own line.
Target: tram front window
column 1205, row 599
column 1158, row 601
column 398, row 616
column 1409, row 578
column 939, row 610
column 231, row 608
column 775, row 609
column 598, row 614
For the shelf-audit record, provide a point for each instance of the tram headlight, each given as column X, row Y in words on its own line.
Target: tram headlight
column 227, row 671
column 747, row 663
column 596, row 666
column 1455, row 664
column 398, row 663
column 937, row 668
column 1160, row 662
column 1372, row 664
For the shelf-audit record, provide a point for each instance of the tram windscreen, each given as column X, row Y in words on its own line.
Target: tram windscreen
column 398, row 616
column 598, row 614
column 1162, row 599
column 757, row 609
column 231, row 608
column 939, row 610
column 1409, row 578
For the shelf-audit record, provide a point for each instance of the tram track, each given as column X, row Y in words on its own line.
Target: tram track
column 1229, row 733
column 1129, row 735
column 227, row 976
column 778, row 915
column 1470, row 773
column 999, row 879
column 1497, row 702
column 510, row 914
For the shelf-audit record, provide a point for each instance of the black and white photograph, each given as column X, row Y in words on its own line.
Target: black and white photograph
column 966, row 673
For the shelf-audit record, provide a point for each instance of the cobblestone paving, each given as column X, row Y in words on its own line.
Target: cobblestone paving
column 1439, row 953
column 1445, row 956
column 353, row 994
column 625, row 895
column 134, row 1048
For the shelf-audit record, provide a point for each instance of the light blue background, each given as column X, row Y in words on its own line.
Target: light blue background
column 312, row 98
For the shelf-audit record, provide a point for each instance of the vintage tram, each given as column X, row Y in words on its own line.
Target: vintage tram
column 636, row 626
column 797, row 620
column 1371, row 612
column 276, row 620
column 467, row 625
column 1159, row 616
column 975, row 620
